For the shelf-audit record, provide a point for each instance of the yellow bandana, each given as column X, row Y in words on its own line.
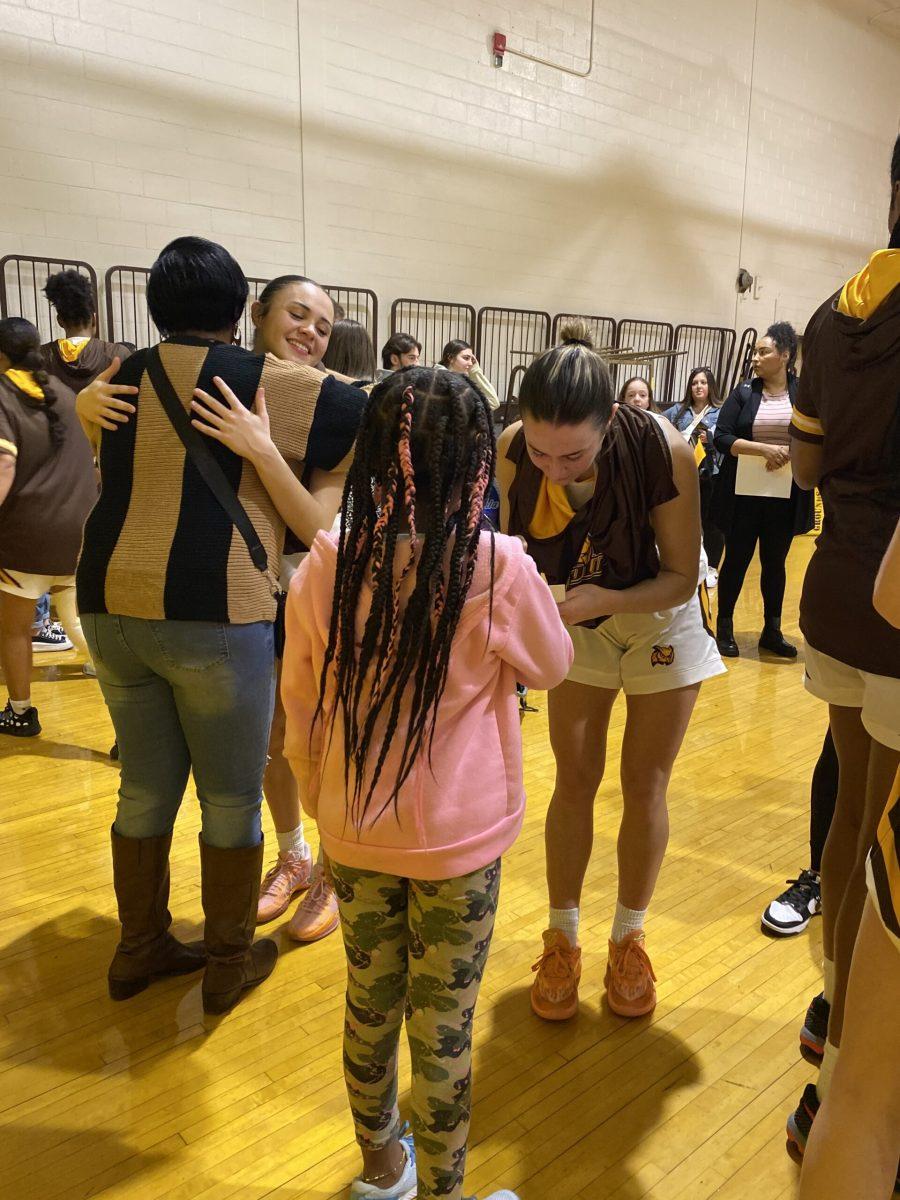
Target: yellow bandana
column 70, row 348
column 25, row 382
column 552, row 511
column 868, row 289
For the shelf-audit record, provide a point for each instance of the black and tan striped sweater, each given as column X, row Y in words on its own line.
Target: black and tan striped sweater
column 158, row 545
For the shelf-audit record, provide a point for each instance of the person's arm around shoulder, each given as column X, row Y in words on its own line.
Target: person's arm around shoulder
column 887, row 584
column 533, row 639
column 505, row 471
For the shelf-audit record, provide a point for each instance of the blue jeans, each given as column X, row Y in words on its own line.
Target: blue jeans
column 183, row 696
column 41, row 614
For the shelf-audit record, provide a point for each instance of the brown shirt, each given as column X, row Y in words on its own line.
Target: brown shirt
column 610, row 540
column 158, row 544
column 94, row 357
column 849, row 403
column 54, row 487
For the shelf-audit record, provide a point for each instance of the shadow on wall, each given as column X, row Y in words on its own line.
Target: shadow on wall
column 395, row 209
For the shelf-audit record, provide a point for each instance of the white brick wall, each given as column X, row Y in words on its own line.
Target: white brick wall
column 426, row 172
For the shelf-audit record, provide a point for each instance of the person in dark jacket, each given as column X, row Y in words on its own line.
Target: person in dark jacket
column 754, row 421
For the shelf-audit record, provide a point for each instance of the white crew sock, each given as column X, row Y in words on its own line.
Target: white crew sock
column 626, row 921
column 20, row 707
column 566, row 921
column 293, row 840
column 828, row 977
column 826, row 1071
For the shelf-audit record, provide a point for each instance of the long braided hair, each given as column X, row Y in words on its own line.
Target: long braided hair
column 425, row 456
column 21, row 343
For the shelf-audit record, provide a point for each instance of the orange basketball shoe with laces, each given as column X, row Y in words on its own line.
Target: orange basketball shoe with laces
column 630, row 980
column 554, row 993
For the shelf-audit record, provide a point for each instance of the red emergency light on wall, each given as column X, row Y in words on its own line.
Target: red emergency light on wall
column 499, row 48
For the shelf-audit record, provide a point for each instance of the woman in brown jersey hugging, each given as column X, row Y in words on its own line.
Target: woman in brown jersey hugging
column 606, row 498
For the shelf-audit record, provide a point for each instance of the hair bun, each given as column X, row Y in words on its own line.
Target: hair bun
column 576, row 333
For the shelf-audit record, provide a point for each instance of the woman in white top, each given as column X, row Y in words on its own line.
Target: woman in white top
column 754, row 421
column 459, row 356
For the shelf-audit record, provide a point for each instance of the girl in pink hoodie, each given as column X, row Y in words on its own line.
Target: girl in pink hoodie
column 406, row 635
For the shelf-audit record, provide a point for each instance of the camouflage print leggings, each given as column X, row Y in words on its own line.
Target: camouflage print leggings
column 415, row 947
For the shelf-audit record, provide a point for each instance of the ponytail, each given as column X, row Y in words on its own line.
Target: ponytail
column 20, row 342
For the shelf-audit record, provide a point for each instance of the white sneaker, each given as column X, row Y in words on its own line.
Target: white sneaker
column 712, row 578
column 504, row 1195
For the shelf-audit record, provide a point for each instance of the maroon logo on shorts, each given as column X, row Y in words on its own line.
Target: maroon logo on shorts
column 662, row 656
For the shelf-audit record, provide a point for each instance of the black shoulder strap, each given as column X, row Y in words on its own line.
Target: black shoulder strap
column 201, row 456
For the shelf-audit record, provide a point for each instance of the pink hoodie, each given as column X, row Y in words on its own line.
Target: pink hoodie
column 466, row 809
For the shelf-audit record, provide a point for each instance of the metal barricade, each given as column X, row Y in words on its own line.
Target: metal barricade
column 358, row 304
column 22, row 279
column 507, row 338
column 127, row 316
column 706, row 346
column 741, row 363
column 433, row 323
column 648, row 345
column 510, row 410
column 603, row 329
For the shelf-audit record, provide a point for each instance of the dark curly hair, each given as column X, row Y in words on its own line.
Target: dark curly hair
column 784, row 338
column 21, row 343
column 72, row 295
column 425, row 456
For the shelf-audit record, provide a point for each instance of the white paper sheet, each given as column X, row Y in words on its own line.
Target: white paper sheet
column 754, row 480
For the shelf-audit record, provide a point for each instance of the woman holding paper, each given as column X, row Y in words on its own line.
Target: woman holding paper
column 755, row 498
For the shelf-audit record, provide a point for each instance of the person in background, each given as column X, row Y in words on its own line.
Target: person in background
column 845, row 439
column 77, row 358
column 459, row 356
column 180, row 618
column 74, row 360
column 606, row 498
column 400, row 350
column 388, row 727
column 350, row 351
column 755, row 420
column 638, row 393
column 696, row 418
column 47, row 488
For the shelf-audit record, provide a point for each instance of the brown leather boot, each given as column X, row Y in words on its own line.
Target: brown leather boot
column 230, row 891
column 146, row 950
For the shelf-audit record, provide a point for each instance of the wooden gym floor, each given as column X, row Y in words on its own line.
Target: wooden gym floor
column 148, row 1100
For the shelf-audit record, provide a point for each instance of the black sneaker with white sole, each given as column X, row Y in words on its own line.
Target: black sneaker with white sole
column 814, row 1032
column 51, row 638
column 791, row 912
column 15, row 724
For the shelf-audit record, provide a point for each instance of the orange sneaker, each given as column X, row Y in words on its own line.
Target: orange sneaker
column 290, row 875
column 317, row 913
column 629, row 978
column 554, row 993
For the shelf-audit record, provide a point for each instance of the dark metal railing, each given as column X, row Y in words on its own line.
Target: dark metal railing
column 22, row 279
column 507, row 338
column 705, row 346
column 434, row 323
column 741, row 363
column 648, row 345
column 603, row 329
column 358, row 304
